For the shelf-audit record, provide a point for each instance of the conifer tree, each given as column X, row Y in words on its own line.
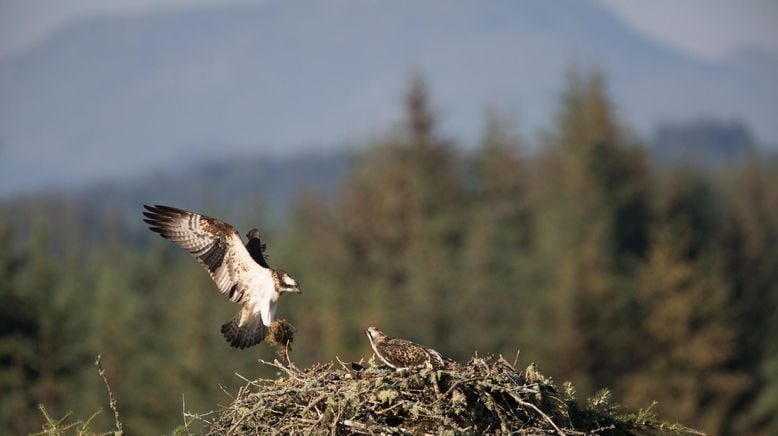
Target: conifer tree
column 592, row 213
column 401, row 214
column 749, row 245
column 44, row 340
column 497, row 246
column 17, row 322
column 687, row 336
column 328, row 321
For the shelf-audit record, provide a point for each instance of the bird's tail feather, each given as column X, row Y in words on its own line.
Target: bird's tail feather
column 243, row 336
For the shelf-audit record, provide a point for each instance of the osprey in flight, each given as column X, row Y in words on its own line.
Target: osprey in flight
column 240, row 272
column 401, row 354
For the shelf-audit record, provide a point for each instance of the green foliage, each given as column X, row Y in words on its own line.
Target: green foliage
column 592, row 210
column 659, row 285
column 42, row 346
column 687, row 336
column 65, row 426
column 495, row 254
column 751, row 235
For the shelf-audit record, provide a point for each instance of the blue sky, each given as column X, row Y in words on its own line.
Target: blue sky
column 705, row 28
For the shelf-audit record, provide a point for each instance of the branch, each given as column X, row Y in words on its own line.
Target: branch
column 111, row 399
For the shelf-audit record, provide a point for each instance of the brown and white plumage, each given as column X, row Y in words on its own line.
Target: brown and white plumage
column 402, row 354
column 219, row 249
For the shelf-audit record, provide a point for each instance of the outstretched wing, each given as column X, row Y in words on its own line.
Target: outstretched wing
column 256, row 248
column 215, row 244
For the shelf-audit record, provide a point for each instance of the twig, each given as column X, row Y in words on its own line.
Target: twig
column 314, row 402
column 111, row 399
column 237, row 423
column 334, row 427
column 289, row 371
column 516, row 359
column 286, row 354
column 224, row 390
column 343, row 364
column 540, row 412
column 183, row 412
column 251, row 382
column 356, row 425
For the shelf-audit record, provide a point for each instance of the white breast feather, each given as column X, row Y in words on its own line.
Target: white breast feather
column 263, row 296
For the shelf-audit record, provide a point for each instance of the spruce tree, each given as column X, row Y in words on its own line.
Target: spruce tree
column 592, row 213
column 44, row 343
column 687, row 342
column 750, row 238
column 497, row 298
column 687, row 339
column 17, row 337
column 402, row 217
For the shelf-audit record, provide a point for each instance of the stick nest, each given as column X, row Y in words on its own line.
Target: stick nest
column 484, row 396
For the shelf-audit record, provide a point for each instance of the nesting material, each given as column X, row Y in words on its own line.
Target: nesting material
column 281, row 334
column 483, row 396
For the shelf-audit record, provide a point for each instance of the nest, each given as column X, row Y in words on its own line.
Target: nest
column 484, row 396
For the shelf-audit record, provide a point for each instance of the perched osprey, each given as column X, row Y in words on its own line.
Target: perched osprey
column 401, row 354
column 240, row 272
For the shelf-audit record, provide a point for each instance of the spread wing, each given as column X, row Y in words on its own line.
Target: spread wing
column 215, row 244
column 256, row 248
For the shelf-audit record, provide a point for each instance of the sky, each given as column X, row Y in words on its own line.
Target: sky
column 704, row 28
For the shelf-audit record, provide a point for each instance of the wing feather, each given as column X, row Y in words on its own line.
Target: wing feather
column 215, row 244
column 401, row 353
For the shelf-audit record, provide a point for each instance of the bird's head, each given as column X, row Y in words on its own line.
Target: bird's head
column 286, row 283
column 253, row 234
column 374, row 334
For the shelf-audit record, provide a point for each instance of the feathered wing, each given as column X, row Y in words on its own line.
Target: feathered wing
column 436, row 359
column 215, row 244
column 245, row 329
column 256, row 248
column 218, row 248
column 400, row 353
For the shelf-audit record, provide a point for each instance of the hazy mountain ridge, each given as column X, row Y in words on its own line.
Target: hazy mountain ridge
column 703, row 143
column 247, row 191
column 115, row 96
column 257, row 190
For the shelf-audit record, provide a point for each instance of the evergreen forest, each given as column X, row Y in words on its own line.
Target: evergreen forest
column 602, row 267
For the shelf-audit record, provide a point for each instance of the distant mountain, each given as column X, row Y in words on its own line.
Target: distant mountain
column 261, row 191
column 704, row 143
column 116, row 97
column 247, row 191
